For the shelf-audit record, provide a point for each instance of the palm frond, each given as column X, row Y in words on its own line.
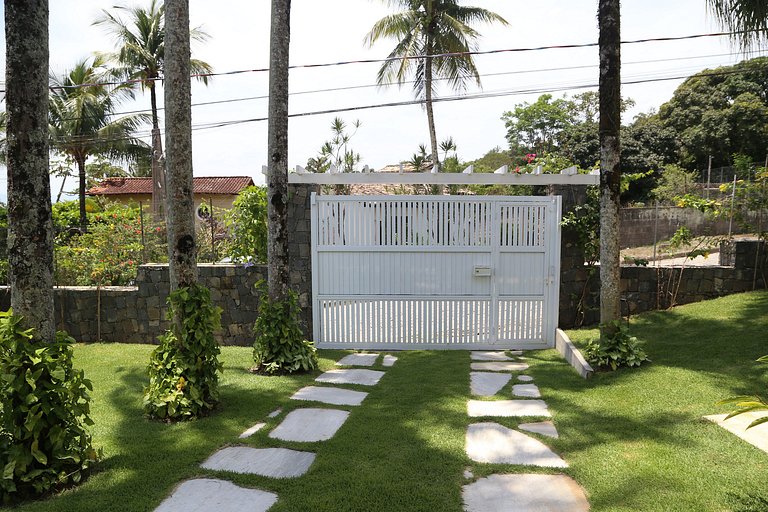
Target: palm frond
column 747, row 19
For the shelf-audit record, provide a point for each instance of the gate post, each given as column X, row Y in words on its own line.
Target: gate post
column 300, row 250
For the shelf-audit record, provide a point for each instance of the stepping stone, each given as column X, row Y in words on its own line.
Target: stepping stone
column 499, row 366
column 252, row 430
column 275, row 413
column 334, row 396
column 507, row 408
column 271, row 462
column 545, row 428
column 756, row 436
column 492, row 443
column 208, row 494
column 310, row 425
column 524, row 378
column 489, row 356
column 361, row 377
column 487, row 384
column 389, row 360
column 525, row 493
column 526, row 390
column 358, row 360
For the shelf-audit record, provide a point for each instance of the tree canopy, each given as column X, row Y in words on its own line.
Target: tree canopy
column 721, row 112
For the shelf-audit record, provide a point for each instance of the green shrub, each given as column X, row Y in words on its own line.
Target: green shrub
column 247, row 226
column 183, row 369
column 280, row 346
column 45, row 404
column 615, row 350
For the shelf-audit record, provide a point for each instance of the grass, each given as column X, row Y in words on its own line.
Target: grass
column 634, row 439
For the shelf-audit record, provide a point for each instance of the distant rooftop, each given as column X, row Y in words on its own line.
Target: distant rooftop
column 211, row 185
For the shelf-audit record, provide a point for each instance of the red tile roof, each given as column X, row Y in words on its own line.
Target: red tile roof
column 229, row 185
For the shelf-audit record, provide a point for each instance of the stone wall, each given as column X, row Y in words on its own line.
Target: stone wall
column 638, row 224
column 300, row 248
column 136, row 314
column 743, row 267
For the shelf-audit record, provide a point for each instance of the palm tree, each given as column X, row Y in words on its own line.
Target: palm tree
column 30, row 233
column 140, row 38
column 82, row 123
column 423, row 29
column 609, row 43
column 178, row 135
column 277, row 148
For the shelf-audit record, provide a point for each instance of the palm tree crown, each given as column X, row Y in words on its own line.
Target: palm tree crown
column 427, row 28
column 139, row 34
column 82, row 119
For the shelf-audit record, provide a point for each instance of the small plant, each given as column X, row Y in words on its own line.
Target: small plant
column 280, row 346
column 44, row 444
column 615, row 350
column 184, row 368
column 748, row 404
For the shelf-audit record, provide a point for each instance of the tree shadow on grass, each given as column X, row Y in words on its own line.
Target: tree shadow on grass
column 145, row 459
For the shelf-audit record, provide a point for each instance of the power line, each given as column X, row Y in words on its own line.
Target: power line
column 366, row 86
column 414, row 57
column 484, row 95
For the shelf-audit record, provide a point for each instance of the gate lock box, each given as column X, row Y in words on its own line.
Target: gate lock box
column 482, row 271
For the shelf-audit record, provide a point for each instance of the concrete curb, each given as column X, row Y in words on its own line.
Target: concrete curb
column 565, row 346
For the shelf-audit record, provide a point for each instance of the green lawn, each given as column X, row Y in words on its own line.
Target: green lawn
column 635, row 439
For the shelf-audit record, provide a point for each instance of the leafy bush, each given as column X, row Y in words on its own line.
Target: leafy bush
column 45, row 404
column 183, row 369
column 247, row 225
column 615, row 350
column 673, row 183
column 110, row 253
column 280, row 346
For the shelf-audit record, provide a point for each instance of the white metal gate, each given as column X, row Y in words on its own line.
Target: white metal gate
column 435, row 272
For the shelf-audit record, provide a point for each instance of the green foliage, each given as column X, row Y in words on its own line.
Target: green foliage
column 615, row 349
column 110, row 253
column 749, row 404
column 534, row 127
column 280, row 346
column 720, row 112
column 44, row 444
column 183, row 369
column 247, row 226
column 584, row 221
column 673, row 183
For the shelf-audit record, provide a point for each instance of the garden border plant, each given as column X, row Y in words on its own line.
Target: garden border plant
column 184, row 368
column 44, row 443
column 279, row 346
column 615, row 350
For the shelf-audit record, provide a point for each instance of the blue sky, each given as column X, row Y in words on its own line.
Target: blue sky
column 333, row 30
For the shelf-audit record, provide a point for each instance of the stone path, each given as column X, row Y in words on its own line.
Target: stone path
column 488, row 442
column 305, row 424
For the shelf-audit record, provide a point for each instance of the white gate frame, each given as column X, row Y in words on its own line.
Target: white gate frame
column 362, row 314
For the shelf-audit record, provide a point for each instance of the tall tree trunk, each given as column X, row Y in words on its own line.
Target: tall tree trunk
column 277, row 175
column 182, row 249
column 428, row 105
column 30, row 233
column 158, row 167
column 610, row 169
column 81, row 193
